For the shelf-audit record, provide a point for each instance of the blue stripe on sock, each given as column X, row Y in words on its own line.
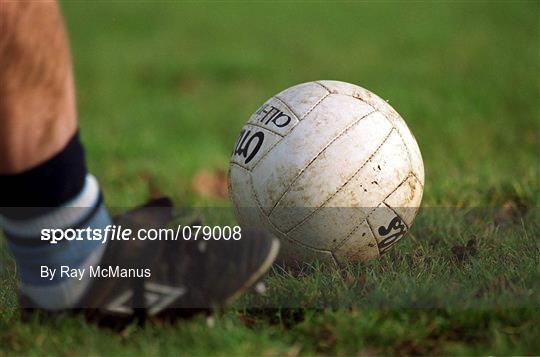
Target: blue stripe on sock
column 33, row 242
column 30, row 259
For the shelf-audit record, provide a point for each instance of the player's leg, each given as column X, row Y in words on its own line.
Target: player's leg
column 42, row 168
column 42, row 165
column 37, row 106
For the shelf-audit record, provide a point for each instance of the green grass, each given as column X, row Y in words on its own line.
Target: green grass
column 164, row 88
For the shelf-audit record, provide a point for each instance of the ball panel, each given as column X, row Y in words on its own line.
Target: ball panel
column 339, row 87
column 291, row 253
column 332, row 169
column 275, row 116
column 391, row 114
column 327, row 227
column 374, row 182
column 415, row 156
column 360, row 246
column 252, row 144
column 360, row 93
column 302, row 98
column 245, row 205
column 387, row 227
column 406, row 199
column 337, row 163
column 413, row 150
column 380, row 176
column 280, row 167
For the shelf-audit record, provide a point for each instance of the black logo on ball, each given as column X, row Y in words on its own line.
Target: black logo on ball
column 391, row 234
column 248, row 144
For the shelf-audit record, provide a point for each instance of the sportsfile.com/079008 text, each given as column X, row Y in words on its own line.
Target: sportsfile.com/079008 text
column 119, row 233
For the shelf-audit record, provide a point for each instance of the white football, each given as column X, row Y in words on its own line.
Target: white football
column 329, row 168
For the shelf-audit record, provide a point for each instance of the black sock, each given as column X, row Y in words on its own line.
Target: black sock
column 47, row 185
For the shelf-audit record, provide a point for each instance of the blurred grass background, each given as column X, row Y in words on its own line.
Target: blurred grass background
column 164, row 88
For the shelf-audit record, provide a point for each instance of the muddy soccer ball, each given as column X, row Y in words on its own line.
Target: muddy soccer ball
column 329, row 168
